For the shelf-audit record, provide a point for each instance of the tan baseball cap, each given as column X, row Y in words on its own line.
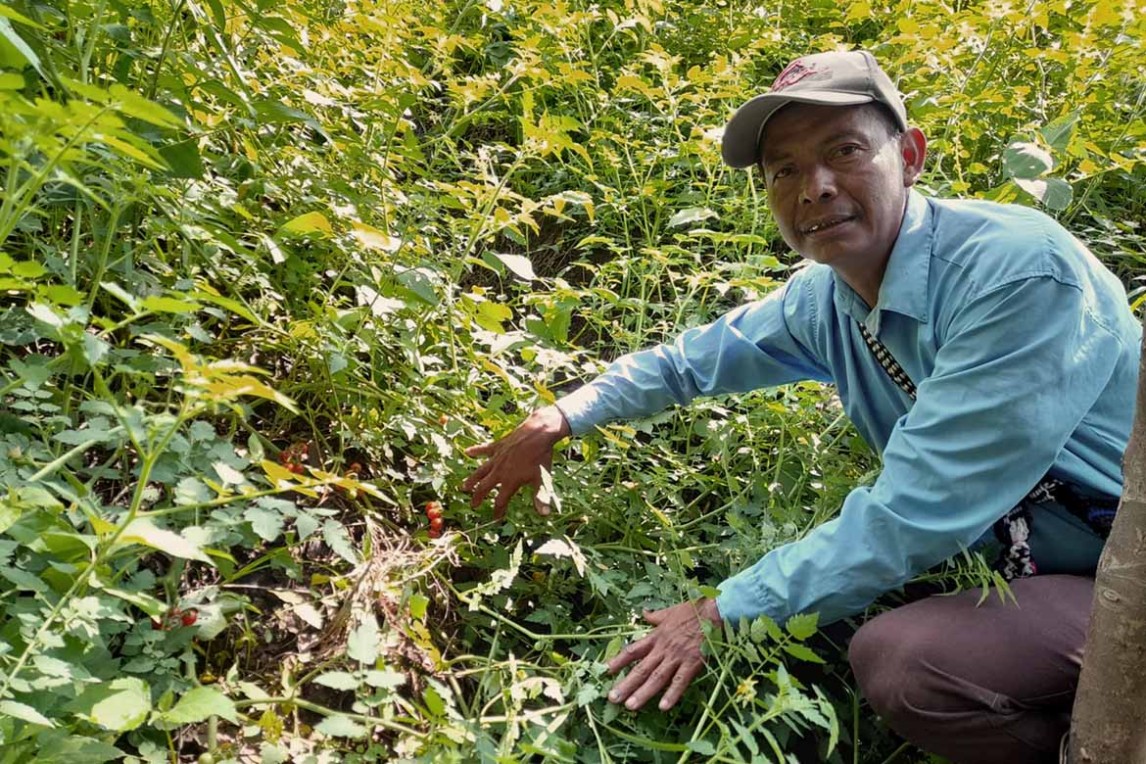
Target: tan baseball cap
column 835, row 79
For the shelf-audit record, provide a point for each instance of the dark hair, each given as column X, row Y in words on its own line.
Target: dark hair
column 887, row 117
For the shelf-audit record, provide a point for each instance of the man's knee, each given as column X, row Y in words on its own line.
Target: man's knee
column 887, row 661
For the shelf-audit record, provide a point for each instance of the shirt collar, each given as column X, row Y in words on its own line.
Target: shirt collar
column 904, row 286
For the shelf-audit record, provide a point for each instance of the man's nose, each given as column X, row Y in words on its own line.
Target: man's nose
column 819, row 186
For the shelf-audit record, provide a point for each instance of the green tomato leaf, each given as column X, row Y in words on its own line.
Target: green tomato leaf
column 340, row 726
column 120, row 705
column 338, row 680
column 24, row 712
column 803, row 653
column 803, row 626
column 267, row 523
column 702, row 747
column 362, row 644
column 143, row 531
column 198, row 704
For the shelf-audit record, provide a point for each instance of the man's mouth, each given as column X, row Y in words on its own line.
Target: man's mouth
column 825, row 224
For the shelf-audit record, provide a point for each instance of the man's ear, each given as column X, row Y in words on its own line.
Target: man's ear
column 913, row 145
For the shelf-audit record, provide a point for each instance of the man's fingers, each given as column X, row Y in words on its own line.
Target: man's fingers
column 476, row 476
column 655, row 616
column 685, row 673
column 540, row 506
column 658, row 679
column 481, row 449
column 633, row 651
column 636, row 679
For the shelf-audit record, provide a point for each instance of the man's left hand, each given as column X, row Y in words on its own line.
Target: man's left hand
column 669, row 657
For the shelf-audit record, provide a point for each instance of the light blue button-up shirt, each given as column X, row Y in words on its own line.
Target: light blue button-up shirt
column 1025, row 355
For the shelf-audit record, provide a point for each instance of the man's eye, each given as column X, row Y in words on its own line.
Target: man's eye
column 783, row 172
column 848, row 150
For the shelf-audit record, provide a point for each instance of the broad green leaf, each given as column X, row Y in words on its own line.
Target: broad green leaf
column 120, row 705
column 419, row 285
column 308, row 223
column 691, row 215
column 134, row 105
column 267, row 523
column 340, row 726
column 277, row 111
column 1026, row 160
column 563, row 547
column 146, row 157
column 1054, row 193
column 362, row 643
column 491, row 315
column 228, row 474
column 226, row 303
column 24, row 712
column 379, row 305
column 418, row 604
column 11, row 13
column 13, row 49
column 183, row 159
column 198, row 704
column 28, row 269
column 1057, row 134
column 338, row 680
column 143, row 531
column 803, row 626
column 520, row 266
column 387, row 679
column 336, row 537
column 46, row 314
column 372, row 238
column 60, row 294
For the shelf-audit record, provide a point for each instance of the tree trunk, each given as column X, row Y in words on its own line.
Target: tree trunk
column 1109, row 721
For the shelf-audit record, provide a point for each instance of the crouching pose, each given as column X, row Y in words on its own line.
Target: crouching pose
column 980, row 348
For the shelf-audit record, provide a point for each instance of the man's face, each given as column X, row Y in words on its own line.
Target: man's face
column 837, row 183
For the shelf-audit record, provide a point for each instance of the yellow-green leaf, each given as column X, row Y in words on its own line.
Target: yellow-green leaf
column 309, row 223
column 143, row 531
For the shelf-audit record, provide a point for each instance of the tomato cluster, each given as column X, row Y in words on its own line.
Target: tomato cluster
column 434, row 513
column 174, row 618
column 293, row 456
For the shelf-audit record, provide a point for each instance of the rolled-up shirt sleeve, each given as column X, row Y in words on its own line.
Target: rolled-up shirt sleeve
column 750, row 347
column 1020, row 367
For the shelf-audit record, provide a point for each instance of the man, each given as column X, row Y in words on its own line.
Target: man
column 980, row 348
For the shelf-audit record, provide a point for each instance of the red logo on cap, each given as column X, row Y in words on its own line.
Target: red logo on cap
column 793, row 73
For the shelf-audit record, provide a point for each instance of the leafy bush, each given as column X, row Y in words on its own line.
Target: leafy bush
column 269, row 267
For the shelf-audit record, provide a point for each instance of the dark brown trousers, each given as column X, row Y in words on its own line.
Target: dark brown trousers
column 979, row 684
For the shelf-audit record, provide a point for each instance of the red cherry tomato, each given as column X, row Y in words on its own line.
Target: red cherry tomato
column 189, row 617
column 433, row 510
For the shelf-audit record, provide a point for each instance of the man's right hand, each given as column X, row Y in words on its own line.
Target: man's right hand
column 516, row 460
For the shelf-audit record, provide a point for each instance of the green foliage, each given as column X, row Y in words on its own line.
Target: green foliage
column 269, row 268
